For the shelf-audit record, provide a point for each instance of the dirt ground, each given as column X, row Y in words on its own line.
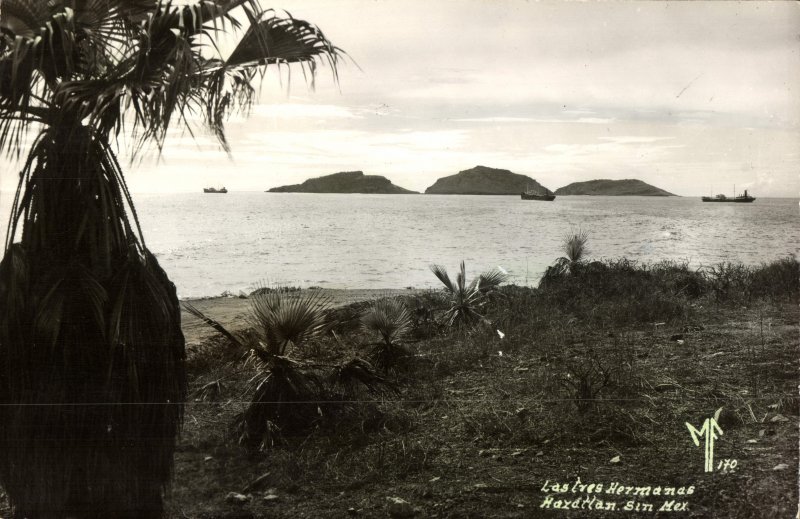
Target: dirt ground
column 480, row 436
column 480, row 430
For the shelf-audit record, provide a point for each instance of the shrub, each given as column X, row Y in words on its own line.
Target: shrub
column 777, row 280
column 290, row 395
column 623, row 291
column 466, row 300
column 730, row 281
column 575, row 251
column 737, row 283
column 283, row 322
column 392, row 322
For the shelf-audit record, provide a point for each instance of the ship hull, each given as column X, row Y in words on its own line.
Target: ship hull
column 543, row 198
column 730, row 200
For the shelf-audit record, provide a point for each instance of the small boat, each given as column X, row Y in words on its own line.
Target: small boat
column 745, row 198
column 214, row 190
column 544, row 195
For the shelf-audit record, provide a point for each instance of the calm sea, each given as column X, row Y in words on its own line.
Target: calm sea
column 210, row 243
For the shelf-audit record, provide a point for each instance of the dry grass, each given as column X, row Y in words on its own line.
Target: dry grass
column 482, row 421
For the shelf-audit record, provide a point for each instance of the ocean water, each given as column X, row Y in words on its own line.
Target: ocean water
column 209, row 244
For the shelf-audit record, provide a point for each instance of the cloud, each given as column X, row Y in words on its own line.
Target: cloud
column 501, row 120
column 296, row 110
column 564, row 90
column 511, row 120
column 631, row 139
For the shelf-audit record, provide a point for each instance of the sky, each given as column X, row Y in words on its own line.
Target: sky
column 691, row 97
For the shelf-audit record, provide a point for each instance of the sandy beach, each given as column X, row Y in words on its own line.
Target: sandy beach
column 232, row 311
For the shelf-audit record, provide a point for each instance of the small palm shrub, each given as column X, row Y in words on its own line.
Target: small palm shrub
column 392, row 322
column 284, row 322
column 423, row 308
column 467, row 299
column 285, row 391
column 575, row 251
column 290, row 394
column 574, row 247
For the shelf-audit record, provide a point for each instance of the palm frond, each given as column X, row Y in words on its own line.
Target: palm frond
column 575, row 246
column 286, row 320
column 94, row 333
column 491, row 279
column 461, row 277
column 90, row 323
column 24, row 17
column 441, row 273
column 357, row 375
column 15, row 283
column 286, row 399
column 389, row 318
column 82, row 64
column 271, row 39
column 212, row 323
column 466, row 298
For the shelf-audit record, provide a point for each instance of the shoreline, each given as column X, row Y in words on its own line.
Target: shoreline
column 232, row 311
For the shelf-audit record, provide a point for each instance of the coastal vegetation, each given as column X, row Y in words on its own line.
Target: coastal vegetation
column 467, row 299
column 345, row 182
column 575, row 250
column 391, row 320
column 288, row 392
column 482, row 180
column 604, row 187
column 93, row 384
column 589, row 377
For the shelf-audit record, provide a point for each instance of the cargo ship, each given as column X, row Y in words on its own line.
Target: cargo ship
column 745, row 198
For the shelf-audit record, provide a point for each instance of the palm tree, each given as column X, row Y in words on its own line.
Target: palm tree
column 392, row 322
column 284, row 390
column 92, row 379
column 290, row 394
column 466, row 299
column 575, row 251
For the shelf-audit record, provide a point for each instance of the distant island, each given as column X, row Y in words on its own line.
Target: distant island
column 604, row 187
column 482, row 180
column 345, row 182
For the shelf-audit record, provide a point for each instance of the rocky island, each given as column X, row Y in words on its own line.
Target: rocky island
column 345, row 182
column 482, row 180
column 605, row 187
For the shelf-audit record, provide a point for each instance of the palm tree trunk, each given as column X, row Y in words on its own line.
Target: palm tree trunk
column 91, row 350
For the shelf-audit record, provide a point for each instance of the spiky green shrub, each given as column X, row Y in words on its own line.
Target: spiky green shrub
column 390, row 320
column 575, row 246
column 91, row 352
column 575, row 251
column 289, row 321
column 467, row 299
column 290, row 392
column 285, row 393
